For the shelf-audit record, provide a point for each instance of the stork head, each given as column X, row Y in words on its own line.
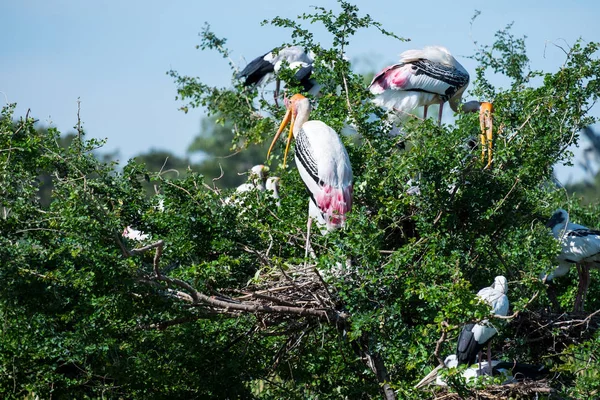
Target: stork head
column 295, row 104
column 500, row 283
column 560, row 216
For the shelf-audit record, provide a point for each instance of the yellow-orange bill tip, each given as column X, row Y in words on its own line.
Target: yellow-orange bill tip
column 286, row 120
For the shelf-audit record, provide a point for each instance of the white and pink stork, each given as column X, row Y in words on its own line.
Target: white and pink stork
column 323, row 163
column 580, row 246
column 421, row 78
column 261, row 70
column 425, row 77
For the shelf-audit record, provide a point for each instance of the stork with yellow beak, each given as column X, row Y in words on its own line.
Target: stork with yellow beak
column 323, row 163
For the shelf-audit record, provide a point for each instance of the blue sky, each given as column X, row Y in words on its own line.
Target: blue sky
column 113, row 54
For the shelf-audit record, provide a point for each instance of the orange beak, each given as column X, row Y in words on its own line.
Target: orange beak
column 289, row 115
column 486, row 123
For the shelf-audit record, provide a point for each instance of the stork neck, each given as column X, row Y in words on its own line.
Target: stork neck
column 302, row 114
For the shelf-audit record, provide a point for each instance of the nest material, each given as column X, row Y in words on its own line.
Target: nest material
column 521, row 390
column 555, row 331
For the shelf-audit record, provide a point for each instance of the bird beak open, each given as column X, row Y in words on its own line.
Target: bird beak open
column 486, row 123
column 289, row 116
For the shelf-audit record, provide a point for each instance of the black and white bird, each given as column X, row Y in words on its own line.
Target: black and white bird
column 579, row 245
column 323, row 163
column 264, row 69
column 475, row 336
column 422, row 77
column 510, row 371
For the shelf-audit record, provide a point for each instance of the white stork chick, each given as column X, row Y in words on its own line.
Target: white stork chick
column 579, row 245
column 261, row 70
column 475, row 336
column 273, row 187
column 323, row 163
column 421, row 78
column 256, row 179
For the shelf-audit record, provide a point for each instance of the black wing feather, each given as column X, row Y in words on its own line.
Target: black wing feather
column 256, row 70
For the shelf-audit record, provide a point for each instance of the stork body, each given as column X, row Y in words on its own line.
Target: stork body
column 263, row 69
column 256, row 179
column 323, row 163
column 272, row 186
column 579, row 245
column 421, row 78
column 475, row 336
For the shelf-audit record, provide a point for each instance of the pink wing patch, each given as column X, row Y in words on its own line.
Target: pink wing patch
column 335, row 203
column 395, row 76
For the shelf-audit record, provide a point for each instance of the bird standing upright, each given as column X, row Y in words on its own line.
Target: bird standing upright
column 323, row 163
column 475, row 336
column 421, row 78
column 579, row 245
column 261, row 70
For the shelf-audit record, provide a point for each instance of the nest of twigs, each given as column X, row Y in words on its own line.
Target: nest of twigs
column 554, row 332
column 521, row 390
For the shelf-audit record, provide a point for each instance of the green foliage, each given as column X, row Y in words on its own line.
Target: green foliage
column 86, row 316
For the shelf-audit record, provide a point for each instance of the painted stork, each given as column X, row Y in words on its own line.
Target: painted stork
column 421, row 78
column 475, row 336
column 261, row 70
column 580, row 246
column 323, row 163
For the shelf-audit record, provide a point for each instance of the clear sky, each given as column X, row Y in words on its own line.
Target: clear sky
column 113, row 54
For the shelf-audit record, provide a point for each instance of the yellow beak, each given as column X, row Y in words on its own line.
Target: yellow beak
column 289, row 115
column 486, row 123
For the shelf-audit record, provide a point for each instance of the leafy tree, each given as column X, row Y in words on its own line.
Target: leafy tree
column 220, row 301
column 224, row 164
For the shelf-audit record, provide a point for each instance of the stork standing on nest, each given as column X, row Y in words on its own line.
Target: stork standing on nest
column 323, row 163
column 580, row 246
column 475, row 336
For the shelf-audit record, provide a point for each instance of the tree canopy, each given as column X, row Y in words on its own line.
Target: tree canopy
column 220, row 301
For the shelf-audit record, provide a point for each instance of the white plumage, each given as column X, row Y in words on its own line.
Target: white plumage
column 579, row 245
column 322, row 161
column 256, row 179
column 265, row 68
column 272, row 186
column 475, row 336
column 421, row 78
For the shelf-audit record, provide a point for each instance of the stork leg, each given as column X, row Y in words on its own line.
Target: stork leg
column 276, row 93
column 440, row 113
column 578, row 306
column 309, row 248
column 425, row 112
column 489, row 355
column 583, row 271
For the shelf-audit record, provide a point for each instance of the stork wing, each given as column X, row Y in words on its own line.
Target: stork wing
column 421, row 76
column 325, row 168
column 256, row 70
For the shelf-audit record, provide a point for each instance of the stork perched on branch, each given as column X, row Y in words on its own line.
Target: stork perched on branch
column 261, row 70
column 421, row 78
column 580, row 246
column 323, row 163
